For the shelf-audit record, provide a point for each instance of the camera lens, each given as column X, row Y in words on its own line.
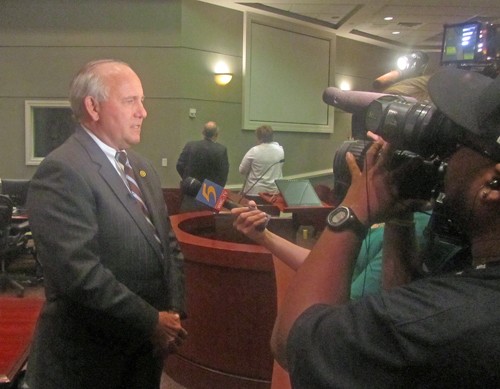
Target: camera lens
column 341, row 173
column 416, row 127
column 417, row 178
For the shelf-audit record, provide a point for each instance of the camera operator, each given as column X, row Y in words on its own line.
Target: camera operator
column 437, row 331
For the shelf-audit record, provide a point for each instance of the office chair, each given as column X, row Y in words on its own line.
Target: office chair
column 13, row 240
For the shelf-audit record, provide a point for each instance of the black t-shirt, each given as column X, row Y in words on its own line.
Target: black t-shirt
column 438, row 332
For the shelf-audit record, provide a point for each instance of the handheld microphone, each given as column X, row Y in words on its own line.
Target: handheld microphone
column 215, row 197
column 209, row 193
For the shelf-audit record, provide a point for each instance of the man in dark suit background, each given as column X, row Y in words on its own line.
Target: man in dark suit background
column 205, row 159
column 114, row 280
column 202, row 159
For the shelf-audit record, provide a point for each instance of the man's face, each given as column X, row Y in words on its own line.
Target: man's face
column 462, row 182
column 121, row 115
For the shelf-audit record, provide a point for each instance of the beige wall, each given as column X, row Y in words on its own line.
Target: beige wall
column 173, row 46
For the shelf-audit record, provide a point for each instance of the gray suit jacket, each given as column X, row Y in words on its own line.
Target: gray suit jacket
column 106, row 277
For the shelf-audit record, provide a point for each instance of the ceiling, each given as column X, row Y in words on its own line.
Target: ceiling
column 419, row 23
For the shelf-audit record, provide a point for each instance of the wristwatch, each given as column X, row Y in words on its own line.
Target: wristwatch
column 343, row 218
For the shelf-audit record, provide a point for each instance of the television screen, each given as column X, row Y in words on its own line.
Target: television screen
column 16, row 190
column 461, row 43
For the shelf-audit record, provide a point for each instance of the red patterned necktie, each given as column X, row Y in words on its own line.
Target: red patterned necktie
column 121, row 156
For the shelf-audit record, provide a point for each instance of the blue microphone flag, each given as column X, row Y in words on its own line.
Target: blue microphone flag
column 212, row 195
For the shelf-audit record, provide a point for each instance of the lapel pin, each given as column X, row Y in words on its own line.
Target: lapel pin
column 142, row 173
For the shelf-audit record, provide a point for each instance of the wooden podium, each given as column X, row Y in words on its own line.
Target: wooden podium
column 233, row 288
column 231, row 306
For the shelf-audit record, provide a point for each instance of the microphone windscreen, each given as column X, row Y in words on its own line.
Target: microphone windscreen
column 190, row 186
column 349, row 101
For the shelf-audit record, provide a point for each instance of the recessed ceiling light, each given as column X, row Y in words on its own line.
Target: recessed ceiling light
column 388, row 18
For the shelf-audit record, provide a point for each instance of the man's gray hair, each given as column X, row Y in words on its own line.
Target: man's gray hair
column 89, row 82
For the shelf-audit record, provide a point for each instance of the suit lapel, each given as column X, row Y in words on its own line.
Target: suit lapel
column 118, row 187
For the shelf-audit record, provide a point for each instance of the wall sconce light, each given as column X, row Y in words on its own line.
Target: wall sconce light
column 223, row 78
column 345, row 85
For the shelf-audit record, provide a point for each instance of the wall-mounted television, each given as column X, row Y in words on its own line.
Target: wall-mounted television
column 468, row 43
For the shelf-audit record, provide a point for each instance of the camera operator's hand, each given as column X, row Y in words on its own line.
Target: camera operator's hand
column 372, row 194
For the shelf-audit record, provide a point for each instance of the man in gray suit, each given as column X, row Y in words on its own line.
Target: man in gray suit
column 113, row 275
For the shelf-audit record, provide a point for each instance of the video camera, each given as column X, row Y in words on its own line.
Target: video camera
column 422, row 135
column 423, row 138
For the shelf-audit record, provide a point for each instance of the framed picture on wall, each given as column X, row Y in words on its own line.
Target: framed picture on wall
column 48, row 123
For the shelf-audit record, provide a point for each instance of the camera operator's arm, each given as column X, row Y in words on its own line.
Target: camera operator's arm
column 325, row 276
column 399, row 251
column 400, row 246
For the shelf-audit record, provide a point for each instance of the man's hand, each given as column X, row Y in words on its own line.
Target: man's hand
column 372, row 193
column 168, row 334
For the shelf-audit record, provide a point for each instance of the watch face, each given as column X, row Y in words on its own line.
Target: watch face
column 337, row 216
column 343, row 218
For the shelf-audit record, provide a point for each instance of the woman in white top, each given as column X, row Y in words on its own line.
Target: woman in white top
column 262, row 164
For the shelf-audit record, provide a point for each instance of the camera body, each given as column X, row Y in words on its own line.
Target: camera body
column 423, row 137
column 421, row 178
